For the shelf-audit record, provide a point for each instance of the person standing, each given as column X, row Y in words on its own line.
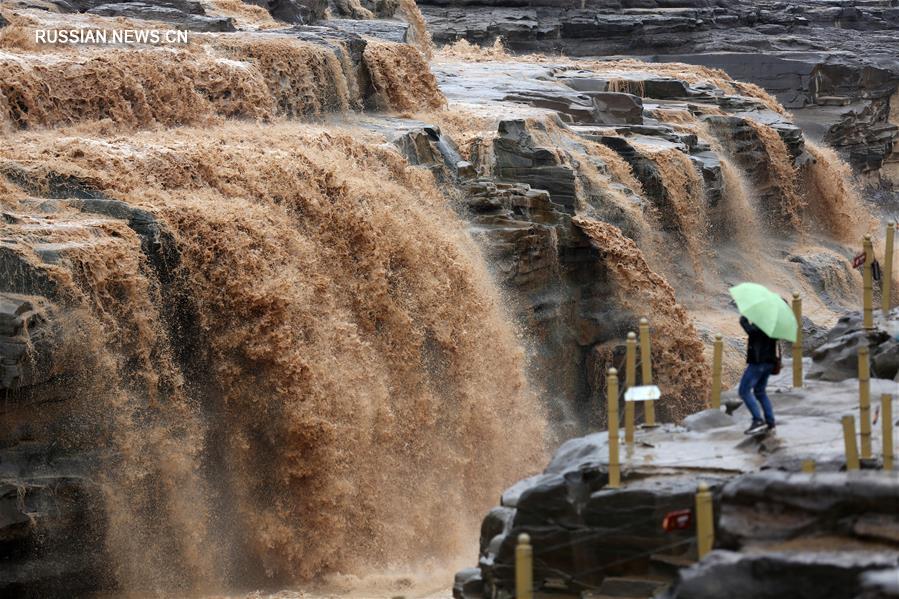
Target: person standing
column 761, row 358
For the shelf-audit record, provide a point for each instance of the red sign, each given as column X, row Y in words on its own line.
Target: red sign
column 678, row 520
column 859, row 260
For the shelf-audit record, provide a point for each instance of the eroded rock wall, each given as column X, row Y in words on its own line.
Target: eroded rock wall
column 833, row 65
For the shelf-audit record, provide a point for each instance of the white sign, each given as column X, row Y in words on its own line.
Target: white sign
column 643, row 393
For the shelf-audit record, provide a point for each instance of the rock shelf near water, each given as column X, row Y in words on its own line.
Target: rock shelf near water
column 778, row 530
column 832, row 63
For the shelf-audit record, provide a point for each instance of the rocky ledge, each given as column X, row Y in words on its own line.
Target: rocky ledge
column 832, row 63
column 195, row 15
column 828, row 534
column 802, row 535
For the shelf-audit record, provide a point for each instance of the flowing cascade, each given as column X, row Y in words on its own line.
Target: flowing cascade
column 676, row 345
column 831, row 198
column 740, row 217
column 302, row 78
column 685, row 192
column 784, row 171
column 320, row 377
column 401, row 77
column 256, row 76
column 420, row 37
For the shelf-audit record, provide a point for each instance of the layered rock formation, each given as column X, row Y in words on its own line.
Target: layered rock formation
column 821, row 535
column 777, row 530
column 832, row 63
column 835, row 358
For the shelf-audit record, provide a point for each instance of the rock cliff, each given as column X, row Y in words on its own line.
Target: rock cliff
column 833, row 64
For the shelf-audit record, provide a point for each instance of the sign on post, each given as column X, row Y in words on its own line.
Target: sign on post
column 643, row 393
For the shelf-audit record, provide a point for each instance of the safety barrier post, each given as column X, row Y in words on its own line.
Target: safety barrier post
column 864, row 401
column 886, row 416
column 612, row 393
column 717, row 359
column 649, row 407
column 886, row 294
column 797, row 346
column 705, row 523
column 868, row 279
column 524, row 568
column 630, row 380
column 808, row 466
column 852, row 462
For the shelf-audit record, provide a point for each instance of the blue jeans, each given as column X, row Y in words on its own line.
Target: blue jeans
column 754, row 381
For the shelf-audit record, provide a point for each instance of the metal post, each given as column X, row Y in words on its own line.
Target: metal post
column 849, row 440
column 717, row 358
column 524, row 568
column 808, row 466
column 797, row 346
column 630, row 380
column 705, row 523
column 868, row 279
column 864, row 401
column 612, row 393
column 649, row 408
column 886, row 418
column 887, row 291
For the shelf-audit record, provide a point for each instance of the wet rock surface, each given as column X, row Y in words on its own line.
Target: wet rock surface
column 778, row 530
column 830, row 575
column 772, row 507
column 51, row 530
column 186, row 14
column 836, row 358
column 801, row 535
column 164, row 14
column 832, row 64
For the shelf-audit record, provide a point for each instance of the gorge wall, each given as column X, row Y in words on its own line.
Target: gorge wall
column 832, row 64
column 281, row 302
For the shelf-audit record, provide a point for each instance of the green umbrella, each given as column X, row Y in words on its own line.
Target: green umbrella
column 766, row 310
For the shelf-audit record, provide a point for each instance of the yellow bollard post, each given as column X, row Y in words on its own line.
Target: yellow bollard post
column 797, row 347
column 849, row 441
column 808, row 466
column 705, row 522
column 887, row 286
column 868, row 280
column 524, row 568
column 864, row 401
column 717, row 359
column 630, row 380
column 649, row 408
column 886, row 419
column 612, row 393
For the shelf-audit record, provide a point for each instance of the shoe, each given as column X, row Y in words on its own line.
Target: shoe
column 757, row 427
column 771, row 427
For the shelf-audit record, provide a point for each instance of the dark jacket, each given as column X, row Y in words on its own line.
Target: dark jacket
column 761, row 349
